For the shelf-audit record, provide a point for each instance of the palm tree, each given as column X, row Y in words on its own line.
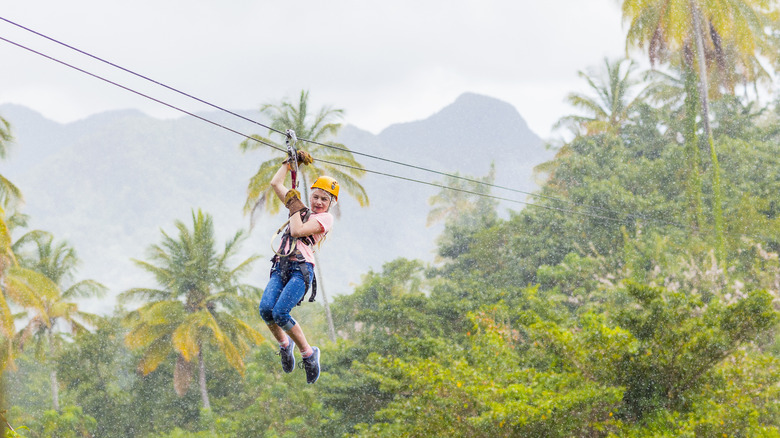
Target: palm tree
column 317, row 128
column 7, row 262
column 703, row 31
column 197, row 304
column 10, row 195
column 463, row 211
column 606, row 113
column 465, row 200
column 677, row 94
column 18, row 285
column 21, row 286
column 613, row 105
column 57, row 263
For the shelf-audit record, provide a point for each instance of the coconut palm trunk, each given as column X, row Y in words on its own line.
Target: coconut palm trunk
column 692, row 152
column 717, row 208
column 320, row 283
column 204, row 394
column 55, row 387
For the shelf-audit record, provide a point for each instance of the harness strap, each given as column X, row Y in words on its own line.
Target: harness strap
column 287, row 240
column 286, row 263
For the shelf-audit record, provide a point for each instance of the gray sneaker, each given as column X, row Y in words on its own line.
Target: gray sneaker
column 312, row 366
column 288, row 358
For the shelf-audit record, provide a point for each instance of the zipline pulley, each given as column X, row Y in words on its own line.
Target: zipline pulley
column 293, row 156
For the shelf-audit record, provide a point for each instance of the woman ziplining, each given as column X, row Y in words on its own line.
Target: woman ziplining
column 292, row 270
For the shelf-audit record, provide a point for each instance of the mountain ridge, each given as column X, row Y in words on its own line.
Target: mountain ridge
column 108, row 183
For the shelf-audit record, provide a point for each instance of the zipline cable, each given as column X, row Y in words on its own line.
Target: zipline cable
column 136, row 74
column 138, row 93
column 412, row 166
column 580, row 213
column 484, row 195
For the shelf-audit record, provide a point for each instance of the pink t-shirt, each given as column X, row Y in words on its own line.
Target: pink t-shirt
column 326, row 222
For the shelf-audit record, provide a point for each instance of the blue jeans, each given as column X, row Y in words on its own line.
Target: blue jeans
column 279, row 298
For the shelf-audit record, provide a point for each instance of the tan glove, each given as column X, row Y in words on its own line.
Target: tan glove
column 304, row 158
column 293, row 202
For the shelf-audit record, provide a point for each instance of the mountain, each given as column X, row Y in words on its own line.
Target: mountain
column 109, row 183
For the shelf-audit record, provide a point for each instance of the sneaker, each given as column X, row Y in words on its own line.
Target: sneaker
column 312, row 366
column 288, row 358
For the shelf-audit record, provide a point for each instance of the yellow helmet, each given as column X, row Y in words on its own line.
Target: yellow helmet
column 328, row 184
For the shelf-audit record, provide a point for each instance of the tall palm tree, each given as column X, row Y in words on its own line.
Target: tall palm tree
column 677, row 94
column 7, row 262
column 21, row 286
column 702, row 30
column 10, row 195
column 37, row 252
column 613, row 104
column 606, row 113
column 197, row 304
column 315, row 127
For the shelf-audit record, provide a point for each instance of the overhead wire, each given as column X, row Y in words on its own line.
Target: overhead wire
column 253, row 138
column 138, row 93
column 137, row 74
column 471, row 192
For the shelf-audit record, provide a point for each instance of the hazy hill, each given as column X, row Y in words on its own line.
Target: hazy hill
column 109, row 183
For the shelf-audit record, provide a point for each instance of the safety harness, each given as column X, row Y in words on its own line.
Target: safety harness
column 287, row 262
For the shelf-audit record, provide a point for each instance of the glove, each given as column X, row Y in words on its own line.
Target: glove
column 293, row 202
column 304, row 158
column 292, row 193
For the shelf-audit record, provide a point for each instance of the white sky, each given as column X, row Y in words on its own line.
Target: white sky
column 383, row 62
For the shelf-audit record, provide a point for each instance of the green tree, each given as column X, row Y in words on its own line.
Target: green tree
column 38, row 252
column 12, row 278
column 660, row 345
column 478, row 387
column 336, row 162
column 97, row 372
column 198, row 304
column 612, row 107
column 465, row 210
column 9, row 193
column 693, row 28
column 24, row 287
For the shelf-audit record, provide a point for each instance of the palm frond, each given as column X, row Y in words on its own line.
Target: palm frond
column 185, row 338
column 143, row 294
column 29, row 288
column 157, row 352
column 233, row 356
column 10, row 195
column 85, row 289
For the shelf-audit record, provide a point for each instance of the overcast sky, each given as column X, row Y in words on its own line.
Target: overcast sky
column 383, row 62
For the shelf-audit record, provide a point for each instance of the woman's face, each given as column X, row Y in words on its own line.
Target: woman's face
column 319, row 201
